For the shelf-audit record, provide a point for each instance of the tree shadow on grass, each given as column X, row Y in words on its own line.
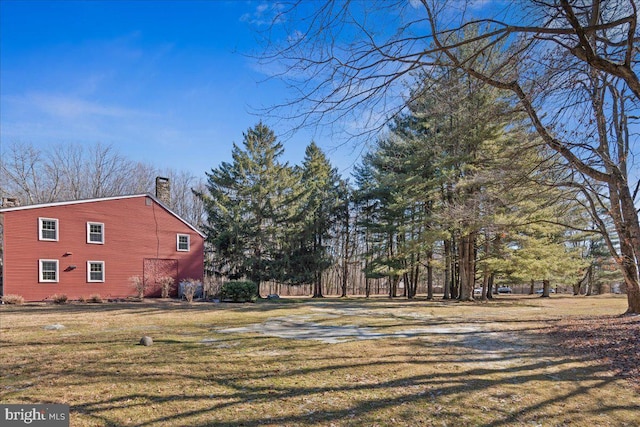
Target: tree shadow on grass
column 532, row 364
column 421, row 390
column 271, row 388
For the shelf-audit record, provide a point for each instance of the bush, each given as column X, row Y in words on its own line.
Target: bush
column 96, row 298
column 167, row 284
column 189, row 288
column 211, row 287
column 81, row 299
column 239, row 291
column 59, row 298
column 13, row 299
column 139, row 285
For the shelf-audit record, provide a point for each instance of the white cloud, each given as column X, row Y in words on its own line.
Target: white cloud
column 264, row 14
column 68, row 107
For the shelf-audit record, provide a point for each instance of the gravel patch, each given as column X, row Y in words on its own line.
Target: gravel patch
column 300, row 328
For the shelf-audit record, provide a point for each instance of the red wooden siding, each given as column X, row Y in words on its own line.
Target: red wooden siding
column 134, row 230
column 154, row 269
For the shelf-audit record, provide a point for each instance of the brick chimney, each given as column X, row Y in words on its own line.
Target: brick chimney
column 163, row 190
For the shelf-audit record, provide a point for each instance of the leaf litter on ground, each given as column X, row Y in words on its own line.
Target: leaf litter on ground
column 612, row 339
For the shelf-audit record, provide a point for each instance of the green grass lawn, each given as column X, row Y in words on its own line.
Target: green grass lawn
column 342, row 362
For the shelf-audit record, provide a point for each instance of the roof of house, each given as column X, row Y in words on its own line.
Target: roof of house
column 102, row 199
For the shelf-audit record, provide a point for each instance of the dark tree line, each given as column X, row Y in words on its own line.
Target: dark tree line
column 457, row 192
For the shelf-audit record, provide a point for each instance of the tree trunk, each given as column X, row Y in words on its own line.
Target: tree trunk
column 345, row 257
column 485, row 268
column 627, row 227
column 416, row 281
column 485, row 282
column 467, row 266
column 532, row 287
column 492, row 278
column 546, row 286
column 367, row 281
column 367, row 286
column 576, row 287
column 317, row 285
column 587, row 279
column 455, row 272
column 429, row 276
column 345, row 275
column 463, row 267
column 447, row 269
column 630, row 273
column 407, row 285
column 393, row 286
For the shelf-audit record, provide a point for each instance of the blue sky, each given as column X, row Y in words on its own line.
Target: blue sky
column 168, row 83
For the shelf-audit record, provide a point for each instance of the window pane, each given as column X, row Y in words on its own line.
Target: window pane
column 183, row 243
column 48, row 229
column 95, row 233
column 95, row 237
column 48, row 266
column 49, row 270
column 95, row 271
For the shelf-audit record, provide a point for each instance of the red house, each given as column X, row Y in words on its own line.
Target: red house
column 86, row 247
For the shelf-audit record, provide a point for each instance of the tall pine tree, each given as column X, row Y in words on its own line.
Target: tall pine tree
column 249, row 205
column 319, row 203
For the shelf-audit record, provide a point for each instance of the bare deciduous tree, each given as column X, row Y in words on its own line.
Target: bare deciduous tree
column 572, row 67
column 28, row 174
column 75, row 172
column 183, row 200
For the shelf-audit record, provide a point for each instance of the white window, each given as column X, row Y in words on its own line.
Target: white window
column 48, row 271
column 183, row 242
column 95, row 271
column 48, row 229
column 95, row 232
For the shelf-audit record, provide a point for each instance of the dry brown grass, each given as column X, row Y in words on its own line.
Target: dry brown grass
column 434, row 363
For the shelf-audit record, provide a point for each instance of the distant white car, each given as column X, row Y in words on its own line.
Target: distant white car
column 551, row 291
column 504, row 290
column 477, row 291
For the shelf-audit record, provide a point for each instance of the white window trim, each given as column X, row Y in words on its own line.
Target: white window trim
column 89, row 280
column 40, row 221
column 188, row 236
column 40, row 278
column 89, row 224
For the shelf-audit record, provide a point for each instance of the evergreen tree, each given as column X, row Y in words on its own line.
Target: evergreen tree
column 318, row 206
column 249, row 205
column 451, row 128
column 365, row 203
column 459, row 168
column 386, row 212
